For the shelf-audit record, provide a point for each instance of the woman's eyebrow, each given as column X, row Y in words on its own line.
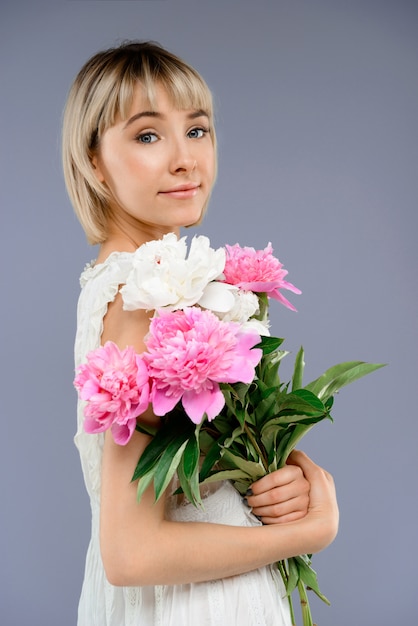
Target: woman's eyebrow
column 198, row 113
column 137, row 116
column 193, row 115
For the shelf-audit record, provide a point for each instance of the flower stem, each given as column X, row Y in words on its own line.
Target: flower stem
column 304, row 603
column 263, row 307
column 281, row 566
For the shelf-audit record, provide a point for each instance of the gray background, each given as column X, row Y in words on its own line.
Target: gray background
column 317, row 104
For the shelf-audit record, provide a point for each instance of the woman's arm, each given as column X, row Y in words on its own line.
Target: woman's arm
column 140, row 547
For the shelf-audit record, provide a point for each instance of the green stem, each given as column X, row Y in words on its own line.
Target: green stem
column 255, row 443
column 281, row 566
column 304, row 603
column 263, row 304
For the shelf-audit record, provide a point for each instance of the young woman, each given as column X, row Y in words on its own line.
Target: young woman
column 139, row 155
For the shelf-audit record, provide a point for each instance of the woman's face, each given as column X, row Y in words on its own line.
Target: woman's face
column 158, row 166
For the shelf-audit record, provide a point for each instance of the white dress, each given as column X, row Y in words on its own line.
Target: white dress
column 253, row 599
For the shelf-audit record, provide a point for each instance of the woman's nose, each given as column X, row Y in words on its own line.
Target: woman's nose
column 182, row 160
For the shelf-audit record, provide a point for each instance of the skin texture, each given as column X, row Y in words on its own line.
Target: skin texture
column 159, row 169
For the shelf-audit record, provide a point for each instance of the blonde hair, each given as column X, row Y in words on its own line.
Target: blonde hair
column 102, row 90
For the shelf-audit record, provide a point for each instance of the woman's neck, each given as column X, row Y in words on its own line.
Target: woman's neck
column 124, row 242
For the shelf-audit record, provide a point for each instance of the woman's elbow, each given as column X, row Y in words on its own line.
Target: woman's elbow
column 125, row 567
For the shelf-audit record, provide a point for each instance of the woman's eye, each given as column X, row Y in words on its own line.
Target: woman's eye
column 197, row 133
column 147, row 138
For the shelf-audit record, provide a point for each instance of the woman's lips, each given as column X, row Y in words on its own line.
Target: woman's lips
column 188, row 190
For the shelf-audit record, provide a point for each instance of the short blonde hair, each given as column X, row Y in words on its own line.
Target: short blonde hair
column 102, row 90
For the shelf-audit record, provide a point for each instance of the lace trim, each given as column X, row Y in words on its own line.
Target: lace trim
column 158, row 596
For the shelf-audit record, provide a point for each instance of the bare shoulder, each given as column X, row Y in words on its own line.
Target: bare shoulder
column 125, row 328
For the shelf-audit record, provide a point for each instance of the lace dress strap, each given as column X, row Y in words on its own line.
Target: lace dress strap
column 99, row 286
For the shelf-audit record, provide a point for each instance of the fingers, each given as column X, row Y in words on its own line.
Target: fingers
column 281, row 496
column 322, row 516
column 279, row 478
column 289, row 511
column 296, row 490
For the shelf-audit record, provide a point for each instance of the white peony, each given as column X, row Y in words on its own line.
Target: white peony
column 244, row 307
column 218, row 297
column 262, row 328
column 162, row 274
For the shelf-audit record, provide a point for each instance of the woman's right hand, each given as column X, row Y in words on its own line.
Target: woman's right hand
column 323, row 516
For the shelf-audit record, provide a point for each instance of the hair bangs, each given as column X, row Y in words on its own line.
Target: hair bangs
column 185, row 89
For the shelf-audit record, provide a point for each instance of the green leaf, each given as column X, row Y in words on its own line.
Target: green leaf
column 143, row 483
column 212, row 457
column 269, row 438
column 221, row 424
column 155, row 449
column 298, row 370
column 167, row 465
column 329, row 403
column 308, row 576
column 227, row 393
column 269, row 344
column 191, row 458
column 336, row 377
column 149, row 457
column 266, row 408
column 250, row 468
column 265, row 391
column 188, row 471
column 205, row 441
column 240, row 414
column 307, row 420
column 293, row 576
column 286, row 446
column 301, row 401
column 231, row 474
column 237, row 432
column 270, row 374
column 240, row 391
column 175, row 424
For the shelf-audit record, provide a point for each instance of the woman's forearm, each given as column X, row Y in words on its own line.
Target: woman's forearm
column 186, row 552
column 140, row 547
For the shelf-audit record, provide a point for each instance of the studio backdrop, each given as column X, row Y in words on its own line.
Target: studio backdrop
column 316, row 108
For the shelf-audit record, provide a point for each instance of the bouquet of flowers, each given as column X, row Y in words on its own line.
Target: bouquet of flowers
column 211, row 371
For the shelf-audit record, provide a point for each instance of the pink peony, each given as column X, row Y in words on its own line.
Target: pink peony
column 259, row 271
column 115, row 385
column 189, row 353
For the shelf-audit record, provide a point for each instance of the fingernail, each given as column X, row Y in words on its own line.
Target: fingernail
column 249, row 492
column 246, row 502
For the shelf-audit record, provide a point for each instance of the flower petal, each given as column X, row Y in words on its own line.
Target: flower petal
column 209, row 401
column 123, row 432
column 218, row 297
column 163, row 403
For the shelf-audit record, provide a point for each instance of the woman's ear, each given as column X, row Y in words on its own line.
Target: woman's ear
column 97, row 169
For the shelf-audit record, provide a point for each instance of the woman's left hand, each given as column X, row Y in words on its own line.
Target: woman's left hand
column 282, row 496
